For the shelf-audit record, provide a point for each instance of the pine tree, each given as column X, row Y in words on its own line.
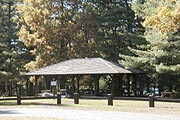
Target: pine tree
column 160, row 54
column 9, row 43
column 116, row 27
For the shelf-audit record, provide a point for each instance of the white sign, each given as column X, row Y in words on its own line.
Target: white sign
column 53, row 83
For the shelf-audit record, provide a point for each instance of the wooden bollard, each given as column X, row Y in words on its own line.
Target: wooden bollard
column 58, row 98
column 18, row 99
column 76, row 98
column 110, row 99
column 151, row 101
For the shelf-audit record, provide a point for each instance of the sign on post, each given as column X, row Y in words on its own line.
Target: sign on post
column 53, row 83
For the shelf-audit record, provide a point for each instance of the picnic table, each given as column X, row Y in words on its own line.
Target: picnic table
column 166, row 94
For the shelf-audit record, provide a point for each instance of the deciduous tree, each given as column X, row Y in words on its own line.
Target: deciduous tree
column 56, row 30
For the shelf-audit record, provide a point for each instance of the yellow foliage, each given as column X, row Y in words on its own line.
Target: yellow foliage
column 33, row 52
column 32, row 79
column 39, row 79
column 52, row 31
column 49, row 48
column 31, row 66
column 166, row 18
column 37, row 29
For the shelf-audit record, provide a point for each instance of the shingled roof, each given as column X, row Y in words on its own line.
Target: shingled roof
column 81, row 66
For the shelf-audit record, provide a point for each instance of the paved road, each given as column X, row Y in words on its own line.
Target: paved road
column 70, row 114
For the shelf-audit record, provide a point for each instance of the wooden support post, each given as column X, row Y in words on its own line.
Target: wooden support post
column 110, row 99
column 58, row 98
column 128, row 85
column 19, row 95
column 97, row 86
column 76, row 98
column 31, row 89
column 151, row 101
column 78, row 84
column 96, row 81
column 147, row 84
column 73, row 86
column 120, row 76
column 18, row 99
column 36, row 87
column 113, row 84
column 116, row 89
column 135, row 85
column 27, row 87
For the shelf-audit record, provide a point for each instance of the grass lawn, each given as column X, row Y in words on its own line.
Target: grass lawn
column 161, row 108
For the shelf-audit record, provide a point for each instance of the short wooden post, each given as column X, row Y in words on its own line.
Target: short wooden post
column 58, row 98
column 110, row 99
column 151, row 100
column 18, row 99
column 76, row 98
column 19, row 94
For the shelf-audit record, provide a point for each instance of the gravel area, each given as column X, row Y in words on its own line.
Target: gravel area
column 75, row 114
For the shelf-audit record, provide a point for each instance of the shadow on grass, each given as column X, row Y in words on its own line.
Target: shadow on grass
column 10, row 103
column 7, row 103
column 40, row 104
column 4, row 111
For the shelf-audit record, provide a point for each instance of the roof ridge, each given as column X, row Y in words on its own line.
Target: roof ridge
column 107, row 64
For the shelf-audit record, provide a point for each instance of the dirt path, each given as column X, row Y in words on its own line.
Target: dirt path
column 71, row 114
